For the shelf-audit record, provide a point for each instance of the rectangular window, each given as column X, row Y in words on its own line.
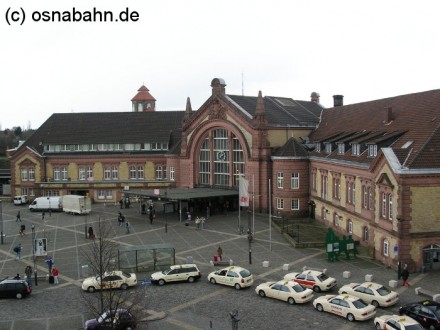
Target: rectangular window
column 386, row 248
column 82, row 173
column 64, row 174
column 89, row 173
column 390, row 207
column 336, row 188
column 314, row 181
column 31, row 173
column 172, row 174
column 324, row 183
column 101, row 194
column 350, row 227
column 328, row 148
column 159, row 172
column 140, row 172
column 132, row 172
column 280, row 180
column 24, row 174
column 115, row 172
column 107, row 173
column 294, row 181
column 109, row 194
column 295, row 204
column 372, row 150
column 280, row 203
column 318, row 146
column 341, row 148
column 56, row 174
column 355, row 149
column 384, row 205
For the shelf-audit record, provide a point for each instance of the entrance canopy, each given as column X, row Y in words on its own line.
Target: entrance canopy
column 178, row 194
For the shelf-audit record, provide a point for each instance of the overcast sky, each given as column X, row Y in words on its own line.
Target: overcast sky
column 364, row 50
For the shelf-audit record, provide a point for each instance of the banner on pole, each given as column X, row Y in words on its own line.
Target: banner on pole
column 243, row 191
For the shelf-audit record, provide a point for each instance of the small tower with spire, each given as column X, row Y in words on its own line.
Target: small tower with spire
column 143, row 101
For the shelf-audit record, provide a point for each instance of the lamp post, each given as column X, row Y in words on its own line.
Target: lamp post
column 1, row 220
column 33, row 255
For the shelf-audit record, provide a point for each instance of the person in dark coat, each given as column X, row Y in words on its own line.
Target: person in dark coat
column 405, row 275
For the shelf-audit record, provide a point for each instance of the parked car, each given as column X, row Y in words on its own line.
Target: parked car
column 372, row 293
column 119, row 319
column 235, row 276
column 110, row 280
column 426, row 312
column 188, row 272
column 396, row 322
column 350, row 307
column 21, row 199
column 10, row 288
column 289, row 291
column 313, row 279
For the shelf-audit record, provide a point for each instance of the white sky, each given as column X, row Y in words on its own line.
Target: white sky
column 364, row 50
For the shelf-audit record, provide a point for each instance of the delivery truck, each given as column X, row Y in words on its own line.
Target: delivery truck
column 20, row 200
column 76, row 204
column 53, row 203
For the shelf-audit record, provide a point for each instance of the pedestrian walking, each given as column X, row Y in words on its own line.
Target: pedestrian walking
column 18, row 217
column 90, row 231
column 220, row 252
column 42, row 215
column 55, row 273
column 127, row 228
column 197, row 222
column 119, row 219
column 151, row 216
column 49, row 261
column 405, row 275
column 202, row 222
column 121, row 203
column 17, row 250
column 21, row 230
column 207, row 212
column 28, row 272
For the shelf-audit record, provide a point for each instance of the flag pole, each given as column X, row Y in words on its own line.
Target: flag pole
column 270, row 219
column 253, row 205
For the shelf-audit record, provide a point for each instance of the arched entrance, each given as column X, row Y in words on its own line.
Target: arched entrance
column 431, row 257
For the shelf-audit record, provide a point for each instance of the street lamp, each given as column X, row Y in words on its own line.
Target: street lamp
column 1, row 220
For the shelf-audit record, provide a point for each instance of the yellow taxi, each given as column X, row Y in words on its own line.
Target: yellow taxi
column 235, row 276
column 289, row 291
column 313, row 279
column 396, row 322
column 350, row 307
column 372, row 293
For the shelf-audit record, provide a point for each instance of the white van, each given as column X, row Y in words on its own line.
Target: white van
column 20, row 200
column 46, row 204
column 76, row 204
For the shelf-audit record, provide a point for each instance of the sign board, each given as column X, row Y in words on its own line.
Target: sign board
column 157, row 192
column 350, row 246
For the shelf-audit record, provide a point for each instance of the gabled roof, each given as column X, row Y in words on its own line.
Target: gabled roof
column 396, row 120
column 282, row 111
column 108, row 127
column 291, row 149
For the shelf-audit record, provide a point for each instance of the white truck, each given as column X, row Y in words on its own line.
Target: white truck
column 76, row 204
column 53, row 203
column 20, row 200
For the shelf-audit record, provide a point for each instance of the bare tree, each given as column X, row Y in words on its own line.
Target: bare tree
column 101, row 256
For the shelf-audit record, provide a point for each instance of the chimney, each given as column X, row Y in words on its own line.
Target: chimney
column 338, row 100
column 389, row 116
column 218, row 86
column 314, row 97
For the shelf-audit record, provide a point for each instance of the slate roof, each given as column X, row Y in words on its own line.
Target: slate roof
column 108, row 127
column 291, row 149
column 282, row 111
column 413, row 133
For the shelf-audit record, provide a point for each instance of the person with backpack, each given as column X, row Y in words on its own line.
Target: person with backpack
column 22, row 229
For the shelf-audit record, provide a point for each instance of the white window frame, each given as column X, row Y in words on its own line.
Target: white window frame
column 355, row 149
column 280, row 180
column 31, row 174
column 328, row 148
column 115, row 172
column 280, row 203
column 294, row 180
column 140, row 172
column 390, row 206
column 350, row 227
column 384, row 204
column 372, row 150
column 386, row 248
column 107, row 173
column 172, row 174
column 132, row 171
column 341, row 148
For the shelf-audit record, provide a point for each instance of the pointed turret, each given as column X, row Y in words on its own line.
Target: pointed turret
column 260, row 119
column 143, row 100
column 188, row 111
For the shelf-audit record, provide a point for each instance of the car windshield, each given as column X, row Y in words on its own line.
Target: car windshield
column 435, row 310
column 245, row 273
column 126, row 274
column 322, row 277
column 414, row 327
column 359, row 304
column 383, row 291
column 166, row 271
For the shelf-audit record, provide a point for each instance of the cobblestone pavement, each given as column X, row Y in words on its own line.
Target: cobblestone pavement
column 198, row 305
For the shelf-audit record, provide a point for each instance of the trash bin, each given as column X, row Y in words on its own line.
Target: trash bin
column 85, row 270
column 189, row 260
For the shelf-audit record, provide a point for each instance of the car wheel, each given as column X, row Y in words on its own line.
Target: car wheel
column 319, row 308
column 161, row 282
column 212, row 280
column 237, row 286
column 317, row 289
column 291, row 301
column 375, row 303
column 91, row 289
column 124, row 286
column 261, row 293
column 350, row 317
column 378, row 327
column 19, row 295
column 190, row 279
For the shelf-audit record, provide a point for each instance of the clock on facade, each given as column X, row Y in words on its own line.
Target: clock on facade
column 221, row 155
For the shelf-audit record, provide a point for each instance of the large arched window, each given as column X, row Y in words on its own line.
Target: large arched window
column 221, row 159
